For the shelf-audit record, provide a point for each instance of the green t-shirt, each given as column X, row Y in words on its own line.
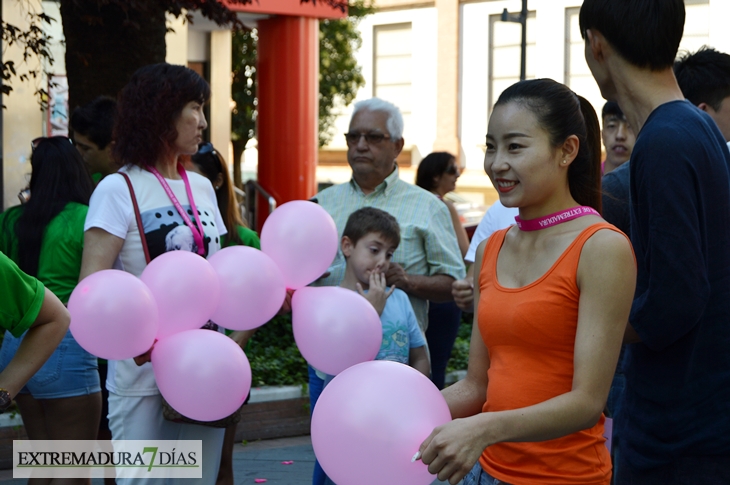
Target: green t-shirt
column 248, row 236
column 63, row 244
column 21, row 298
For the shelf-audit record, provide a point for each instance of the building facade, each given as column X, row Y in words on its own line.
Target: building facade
column 445, row 62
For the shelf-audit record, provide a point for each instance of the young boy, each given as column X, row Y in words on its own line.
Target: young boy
column 369, row 240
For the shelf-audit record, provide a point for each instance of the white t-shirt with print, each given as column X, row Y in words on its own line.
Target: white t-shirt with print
column 111, row 209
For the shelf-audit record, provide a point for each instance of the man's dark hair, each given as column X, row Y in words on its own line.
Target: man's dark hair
column 368, row 220
column 704, row 77
column 611, row 108
column 95, row 120
column 644, row 32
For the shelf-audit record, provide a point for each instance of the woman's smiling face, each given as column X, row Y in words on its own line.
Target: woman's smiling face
column 520, row 160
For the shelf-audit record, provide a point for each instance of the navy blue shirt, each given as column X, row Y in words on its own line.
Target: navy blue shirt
column 615, row 197
column 677, row 399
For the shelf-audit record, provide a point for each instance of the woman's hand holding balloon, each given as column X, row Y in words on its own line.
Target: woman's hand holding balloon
column 452, row 450
column 144, row 358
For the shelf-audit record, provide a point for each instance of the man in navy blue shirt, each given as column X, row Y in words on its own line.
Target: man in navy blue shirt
column 675, row 419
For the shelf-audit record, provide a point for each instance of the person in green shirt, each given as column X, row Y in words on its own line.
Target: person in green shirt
column 209, row 163
column 44, row 237
column 26, row 306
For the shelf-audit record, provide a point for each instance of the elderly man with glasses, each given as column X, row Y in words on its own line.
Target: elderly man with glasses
column 428, row 259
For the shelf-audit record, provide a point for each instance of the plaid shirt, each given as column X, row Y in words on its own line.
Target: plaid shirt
column 428, row 243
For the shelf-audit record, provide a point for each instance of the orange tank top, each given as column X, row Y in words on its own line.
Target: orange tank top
column 530, row 334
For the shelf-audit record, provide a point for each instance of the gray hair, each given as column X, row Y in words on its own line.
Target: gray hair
column 395, row 118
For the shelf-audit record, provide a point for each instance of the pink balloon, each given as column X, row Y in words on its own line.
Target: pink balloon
column 203, row 374
column 301, row 237
column 335, row 328
column 113, row 315
column 251, row 288
column 370, row 421
column 186, row 289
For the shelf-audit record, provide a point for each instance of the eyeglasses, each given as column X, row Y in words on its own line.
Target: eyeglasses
column 206, row 147
column 370, row 138
column 24, row 195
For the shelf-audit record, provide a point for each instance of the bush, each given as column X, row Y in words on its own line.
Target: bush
column 460, row 353
column 276, row 361
column 274, row 356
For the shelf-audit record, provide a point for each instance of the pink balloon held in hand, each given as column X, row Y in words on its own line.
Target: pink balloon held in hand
column 251, row 288
column 335, row 328
column 113, row 315
column 301, row 238
column 202, row 374
column 370, row 420
column 186, row 289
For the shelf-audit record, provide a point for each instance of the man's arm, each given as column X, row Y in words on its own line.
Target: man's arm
column 463, row 291
column 672, row 287
column 443, row 259
column 434, row 288
column 630, row 335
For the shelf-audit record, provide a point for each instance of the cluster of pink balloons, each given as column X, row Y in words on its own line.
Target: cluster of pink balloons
column 117, row 316
column 334, row 328
column 368, row 422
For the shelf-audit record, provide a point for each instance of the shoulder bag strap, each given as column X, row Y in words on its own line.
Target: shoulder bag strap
column 140, row 226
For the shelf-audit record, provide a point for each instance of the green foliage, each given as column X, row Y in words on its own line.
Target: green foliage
column 243, row 87
column 276, row 361
column 35, row 47
column 339, row 75
column 274, row 357
column 460, row 353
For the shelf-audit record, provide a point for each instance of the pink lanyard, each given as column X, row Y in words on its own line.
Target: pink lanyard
column 197, row 231
column 556, row 218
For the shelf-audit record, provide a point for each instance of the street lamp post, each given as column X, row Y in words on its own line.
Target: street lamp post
column 521, row 19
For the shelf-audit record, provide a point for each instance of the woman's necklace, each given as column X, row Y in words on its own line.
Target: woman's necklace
column 556, row 218
column 197, row 230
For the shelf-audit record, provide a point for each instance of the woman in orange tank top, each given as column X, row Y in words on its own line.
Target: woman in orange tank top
column 551, row 306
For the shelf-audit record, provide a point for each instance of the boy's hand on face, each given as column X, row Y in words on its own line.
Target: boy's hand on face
column 378, row 293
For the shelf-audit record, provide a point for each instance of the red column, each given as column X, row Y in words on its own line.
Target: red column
column 288, row 109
